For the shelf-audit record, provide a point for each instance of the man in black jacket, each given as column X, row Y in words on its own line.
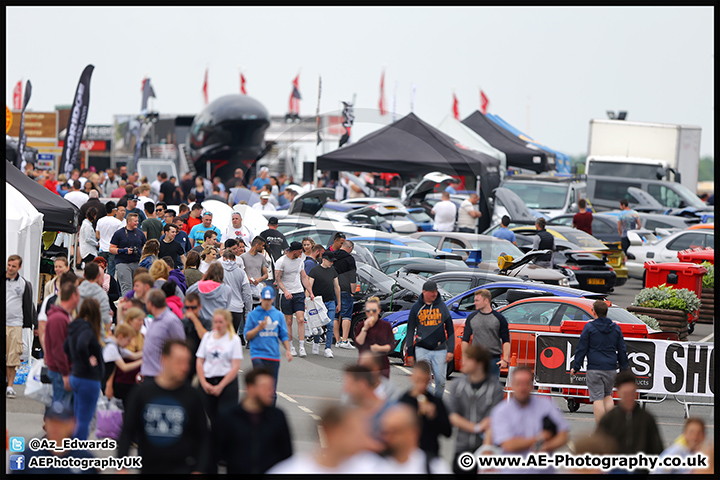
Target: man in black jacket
column 347, row 277
column 435, row 343
column 543, row 240
column 20, row 313
column 164, row 416
column 253, row 435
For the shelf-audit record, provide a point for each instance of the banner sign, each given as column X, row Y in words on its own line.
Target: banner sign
column 76, row 123
column 22, row 138
column 660, row 366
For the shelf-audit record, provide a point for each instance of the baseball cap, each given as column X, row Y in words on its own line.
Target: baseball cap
column 329, row 255
column 268, row 293
column 430, row 286
column 264, row 195
column 134, row 197
column 272, row 221
column 59, row 411
column 295, row 246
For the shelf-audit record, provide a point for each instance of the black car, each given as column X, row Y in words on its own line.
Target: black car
column 460, row 281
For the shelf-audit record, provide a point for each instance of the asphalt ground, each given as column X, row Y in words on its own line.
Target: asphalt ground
column 307, row 385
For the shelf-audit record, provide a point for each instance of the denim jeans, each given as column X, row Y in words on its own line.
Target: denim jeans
column 85, row 395
column 494, row 367
column 329, row 334
column 59, row 392
column 110, row 262
column 436, row 359
column 271, row 365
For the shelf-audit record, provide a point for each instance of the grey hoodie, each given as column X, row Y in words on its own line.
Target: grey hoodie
column 212, row 296
column 88, row 289
column 473, row 405
column 239, row 284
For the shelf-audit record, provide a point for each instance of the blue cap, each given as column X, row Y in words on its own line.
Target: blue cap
column 268, row 293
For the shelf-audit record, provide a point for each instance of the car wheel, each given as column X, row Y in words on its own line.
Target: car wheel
column 353, row 323
column 691, row 328
column 573, row 405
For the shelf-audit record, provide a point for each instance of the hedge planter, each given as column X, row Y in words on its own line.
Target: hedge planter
column 707, row 306
column 669, row 320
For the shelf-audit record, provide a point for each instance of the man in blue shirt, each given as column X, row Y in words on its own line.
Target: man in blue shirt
column 132, row 208
column 451, row 186
column 261, row 180
column 628, row 220
column 504, row 232
column 263, row 328
column 197, row 233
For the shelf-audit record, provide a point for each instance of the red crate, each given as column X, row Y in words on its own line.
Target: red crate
column 697, row 255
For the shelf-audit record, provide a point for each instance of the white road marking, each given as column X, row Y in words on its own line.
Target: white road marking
column 287, row 397
column 709, row 337
column 403, row 369
column 305, row 409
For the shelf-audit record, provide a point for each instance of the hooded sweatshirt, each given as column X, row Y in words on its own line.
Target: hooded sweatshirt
column 79, row 345
column 237, row 280
column 602, row 342
column 213, row 295
column 433, row 325
column 88, row 289
column 265, row 344
column 347, row 270
column 179, row 278
column 56, row 330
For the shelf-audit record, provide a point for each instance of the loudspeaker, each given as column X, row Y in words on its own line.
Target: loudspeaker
column 308, row 171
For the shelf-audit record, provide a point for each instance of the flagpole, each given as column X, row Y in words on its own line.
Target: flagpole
column 317, row 131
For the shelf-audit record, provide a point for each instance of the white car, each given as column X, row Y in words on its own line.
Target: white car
column 663, row 250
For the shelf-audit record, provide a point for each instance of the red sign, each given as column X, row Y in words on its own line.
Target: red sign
column 92, row 145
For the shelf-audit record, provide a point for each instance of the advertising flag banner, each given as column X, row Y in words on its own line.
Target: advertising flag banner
column 76, row 123
column 295, row 97
column 348, row 119
column 147, row 91
column 17, row 96
column 205, row 87
column 456, row 108
column 242, row 84
column 484, row 102
column 381, row 105
column 22, row 139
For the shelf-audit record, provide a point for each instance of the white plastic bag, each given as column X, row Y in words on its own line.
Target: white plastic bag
column 27, row 338
column 316, row 315
column 34, row 388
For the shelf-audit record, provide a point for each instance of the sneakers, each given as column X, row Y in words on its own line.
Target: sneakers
column 10, row 392
column 328, row 353
column 301, row 350
column 292, row 350
column 316, row 349
column 346, row 344
column 310, row 340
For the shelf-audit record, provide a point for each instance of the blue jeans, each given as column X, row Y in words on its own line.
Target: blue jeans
column 329, row 334
column 85, row 394
column 273, row 367
column 436, row 359
column 346, row 306
column 59, row 392
column 494, row 367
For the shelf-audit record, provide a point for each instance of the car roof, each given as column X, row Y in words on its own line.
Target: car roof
column 463, row 235
column 702, row 226
column 577, row 301
column 565, row 292
column 473, row 272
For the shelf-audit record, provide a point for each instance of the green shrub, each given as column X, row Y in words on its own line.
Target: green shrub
column 666, row 297
column 647, row 320
column 709, row 277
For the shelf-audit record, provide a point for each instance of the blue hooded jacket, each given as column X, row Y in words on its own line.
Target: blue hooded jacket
column 602, row 342
column 265, row 344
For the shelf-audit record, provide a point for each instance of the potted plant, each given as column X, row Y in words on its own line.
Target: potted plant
column 675, row 309
column 707, row 299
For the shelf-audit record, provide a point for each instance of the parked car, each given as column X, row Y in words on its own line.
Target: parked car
column 385, row 252
column 425, row 267
column 421, row 218
column 459, row 281
column 389, row 216
column 665, row 249
column 550, row 195
column 604, row 226
column 491, row 249
column 661, row 225
column 364, row 201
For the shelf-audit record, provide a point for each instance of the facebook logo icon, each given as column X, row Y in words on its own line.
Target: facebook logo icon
column 17, row 462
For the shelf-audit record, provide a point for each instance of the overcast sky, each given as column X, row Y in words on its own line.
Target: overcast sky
column 547, row 71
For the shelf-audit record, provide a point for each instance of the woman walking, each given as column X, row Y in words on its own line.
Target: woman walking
column 208, row 256
column 83, row 347
column 150, row 253
column 88, row 245
column 374, row 335
column 213, row 293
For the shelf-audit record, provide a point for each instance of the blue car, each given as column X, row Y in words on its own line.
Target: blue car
column 503, row 293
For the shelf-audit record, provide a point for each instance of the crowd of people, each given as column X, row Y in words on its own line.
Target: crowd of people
column 168, row 306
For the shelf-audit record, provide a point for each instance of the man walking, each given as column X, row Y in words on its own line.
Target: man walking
column 165, row 326
column 543, row 240
column 256, row 267
column 488, row 329
column 468, row 214
column 76, row 196
column 346, row 268
column 323, row 282
column 430, row 320
column 169, row 247
column 111, row 183
column 583, row 219
column 628, row 220
column 264, row 204
column 151, row 226
column 472, row 398
column 20, row 313
column 602, row 342
column 275, row 240
column 238, row 231
column 444, row 212
column 254, row 435
column 292, row 282
column 504, row 232
column 127, row 244
column 192, row 218
column 197, row 233
column 263, row 328
column 132, row 207
column 313, row 260
column 58, row 319
column 106, row 227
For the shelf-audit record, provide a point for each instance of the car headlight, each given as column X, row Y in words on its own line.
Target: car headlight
column 564, row 282
column 395, row 330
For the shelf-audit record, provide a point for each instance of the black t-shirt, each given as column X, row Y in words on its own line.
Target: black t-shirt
column 323, row 283
column 276, row 243
column 167, row 188
column 173, row 250
column 124, row 238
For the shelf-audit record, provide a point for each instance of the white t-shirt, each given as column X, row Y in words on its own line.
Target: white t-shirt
column 113, row 353
column 291, row 273
column 269, row 207
column 305, row 463
column 107, row 226
column 141, row 202
column 243, row 233
column 77, row 198
column 444, row 216
column 464, row 218
column 219, row 353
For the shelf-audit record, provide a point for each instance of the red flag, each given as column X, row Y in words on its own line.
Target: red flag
column 242, row 84
column 456, row 110
column 484, row 102
column 205, row 87
column 382, row 94
column 17, row 96
column 295, row 97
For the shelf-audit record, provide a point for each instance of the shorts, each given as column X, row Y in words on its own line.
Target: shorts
column 295, row 304
column 600, row 383
column 346, row 306
column 13, row 345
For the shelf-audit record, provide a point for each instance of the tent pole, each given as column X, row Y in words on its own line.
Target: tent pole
column 477, row 190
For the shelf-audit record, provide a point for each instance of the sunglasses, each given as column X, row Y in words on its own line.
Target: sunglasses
column 371, row 310
column 189, row 307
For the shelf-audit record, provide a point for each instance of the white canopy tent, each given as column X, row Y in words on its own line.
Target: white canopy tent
column 468, row 138
column 23, row 234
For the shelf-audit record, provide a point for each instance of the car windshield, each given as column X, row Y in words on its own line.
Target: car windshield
column 582, row 239
column 420, row 217
column 691, row 200
column 620, row 315
column 491, row 250
column 537, row 195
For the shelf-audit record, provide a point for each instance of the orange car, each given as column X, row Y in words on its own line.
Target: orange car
column 702, row 226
